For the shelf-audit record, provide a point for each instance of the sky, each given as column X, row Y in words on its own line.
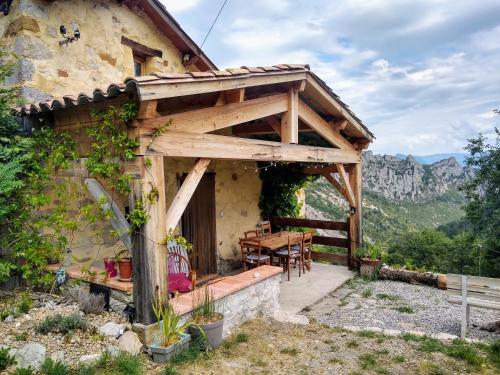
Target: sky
column 424, row 76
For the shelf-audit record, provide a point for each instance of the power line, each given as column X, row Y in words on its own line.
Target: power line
column 213, row 23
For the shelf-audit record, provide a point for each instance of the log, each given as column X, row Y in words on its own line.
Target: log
column 407, row 276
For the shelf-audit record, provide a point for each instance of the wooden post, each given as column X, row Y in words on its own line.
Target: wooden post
column 149, row 255
column 349, row 244
column 355, row 180
column 290, row 119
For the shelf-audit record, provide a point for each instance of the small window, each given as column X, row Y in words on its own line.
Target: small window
column 139, row 65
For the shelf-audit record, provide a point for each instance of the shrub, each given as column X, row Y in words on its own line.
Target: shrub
column 61, row 324
column 91, row 303
column 51, row 367
column 241, row 337
column 25, row 303
column 6, row 359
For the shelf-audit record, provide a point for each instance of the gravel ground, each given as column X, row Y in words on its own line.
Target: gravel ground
column 19, row 332
column 401, row 306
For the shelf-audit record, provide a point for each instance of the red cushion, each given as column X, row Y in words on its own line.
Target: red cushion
column 178, row 282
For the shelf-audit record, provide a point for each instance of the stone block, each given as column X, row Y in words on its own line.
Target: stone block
column 23, row 23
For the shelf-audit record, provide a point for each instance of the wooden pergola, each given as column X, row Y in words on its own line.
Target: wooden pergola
column 221, row 115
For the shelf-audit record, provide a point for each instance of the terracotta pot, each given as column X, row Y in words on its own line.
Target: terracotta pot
column 110, row 266
column 125, row 269
column 368, row 267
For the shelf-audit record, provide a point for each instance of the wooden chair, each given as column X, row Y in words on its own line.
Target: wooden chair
column 292, row 252
column 306, row 250
column 252, row 256
column 251, row 233
column 264, row 228
column 180, row 276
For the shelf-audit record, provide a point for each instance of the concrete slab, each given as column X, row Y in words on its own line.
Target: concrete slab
column 303, row 291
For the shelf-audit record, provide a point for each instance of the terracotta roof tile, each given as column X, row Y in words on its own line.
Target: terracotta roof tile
column 130, row 85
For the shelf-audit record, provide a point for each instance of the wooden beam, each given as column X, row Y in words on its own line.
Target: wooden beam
column 141, row 48
column 214, row 118
column 345, row 180
column 309, row 223
column 181, row 144
column 337, row 185
column 274, row 124
column 320, row 169
column 235, row 96
column 315, row 121
column 149, row 255
column 290, row 119
column 339, row 125
column 147, row 109
column 182, row 87
column 185, row 193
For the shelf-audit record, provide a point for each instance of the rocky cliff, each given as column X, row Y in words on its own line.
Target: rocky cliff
column 402, row 180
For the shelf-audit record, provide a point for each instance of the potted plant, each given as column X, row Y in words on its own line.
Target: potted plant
column 173, row 337
column 110, row 266
column 208, row 322
column 370, row 257
column 124, row 265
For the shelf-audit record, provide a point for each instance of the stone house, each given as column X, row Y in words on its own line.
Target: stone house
column 204, row 165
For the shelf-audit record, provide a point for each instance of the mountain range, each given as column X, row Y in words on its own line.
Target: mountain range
column 398, row 195
column 434, row 158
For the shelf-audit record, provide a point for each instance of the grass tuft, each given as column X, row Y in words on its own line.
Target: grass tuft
column 241, row 337
column 290, row 351
column 6, row 359
column 352, row 344
column 368, row 361
column 367, row 293
column 51, row 367
column 405, row 310
column 389, row 297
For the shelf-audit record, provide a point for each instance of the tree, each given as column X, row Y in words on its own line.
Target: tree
column 483, row 195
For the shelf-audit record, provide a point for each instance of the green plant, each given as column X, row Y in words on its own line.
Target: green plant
column 290, row 351
column 170, row 322
column 405, row 309
column 204, row 306
column 24, row 371
column 128, row 364
column 352, row 344
column 61, row 324
column 494, row 352
column 390, row 297
column 372, row 251
column 178, row 239
column 51, row 367
column 6, row 359
column 241, row 337
column 25, row 303
column 367, row 361
column 367, row 293
column 197, row 348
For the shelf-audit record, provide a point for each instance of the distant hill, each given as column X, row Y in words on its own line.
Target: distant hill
column 434, row 158
column 397, row 195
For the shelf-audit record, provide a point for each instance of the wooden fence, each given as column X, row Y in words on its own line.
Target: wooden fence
column 343, row 226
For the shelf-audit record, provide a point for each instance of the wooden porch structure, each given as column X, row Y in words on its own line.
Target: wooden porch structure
column 251, row 114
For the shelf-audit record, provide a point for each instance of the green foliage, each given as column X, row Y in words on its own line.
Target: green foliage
column 112, row 145
column 123, row 364
column 25, row 371
column 25, row 302
column 6, row 360
column 280, row 185
column 204, row 306
column 51, row 367
column 171, row 326
column 61, row 324
column 482, row 192
column 373, row 251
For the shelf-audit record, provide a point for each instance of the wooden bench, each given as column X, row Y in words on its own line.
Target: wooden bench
column 473, row 291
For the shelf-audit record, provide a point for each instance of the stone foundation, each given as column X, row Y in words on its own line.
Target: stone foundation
column 239, row 298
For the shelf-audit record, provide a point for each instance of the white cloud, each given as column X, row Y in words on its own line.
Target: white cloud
column 180, row 5
column 422, row 75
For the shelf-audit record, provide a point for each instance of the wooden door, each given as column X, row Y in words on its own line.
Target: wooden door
column 198, row 227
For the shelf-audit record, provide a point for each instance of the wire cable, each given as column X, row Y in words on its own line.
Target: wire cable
column 213, row 23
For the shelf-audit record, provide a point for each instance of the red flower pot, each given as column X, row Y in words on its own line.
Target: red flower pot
column 125, row 269
column 110, row 266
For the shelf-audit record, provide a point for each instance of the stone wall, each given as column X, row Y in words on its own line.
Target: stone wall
column 97, row 59
column 258, row 294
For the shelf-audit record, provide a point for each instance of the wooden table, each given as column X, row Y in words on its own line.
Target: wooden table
column 270, row 242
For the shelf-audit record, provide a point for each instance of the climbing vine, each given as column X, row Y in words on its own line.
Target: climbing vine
column 281, row 184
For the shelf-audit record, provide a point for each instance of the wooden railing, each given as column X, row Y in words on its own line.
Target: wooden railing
column 342, row 259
